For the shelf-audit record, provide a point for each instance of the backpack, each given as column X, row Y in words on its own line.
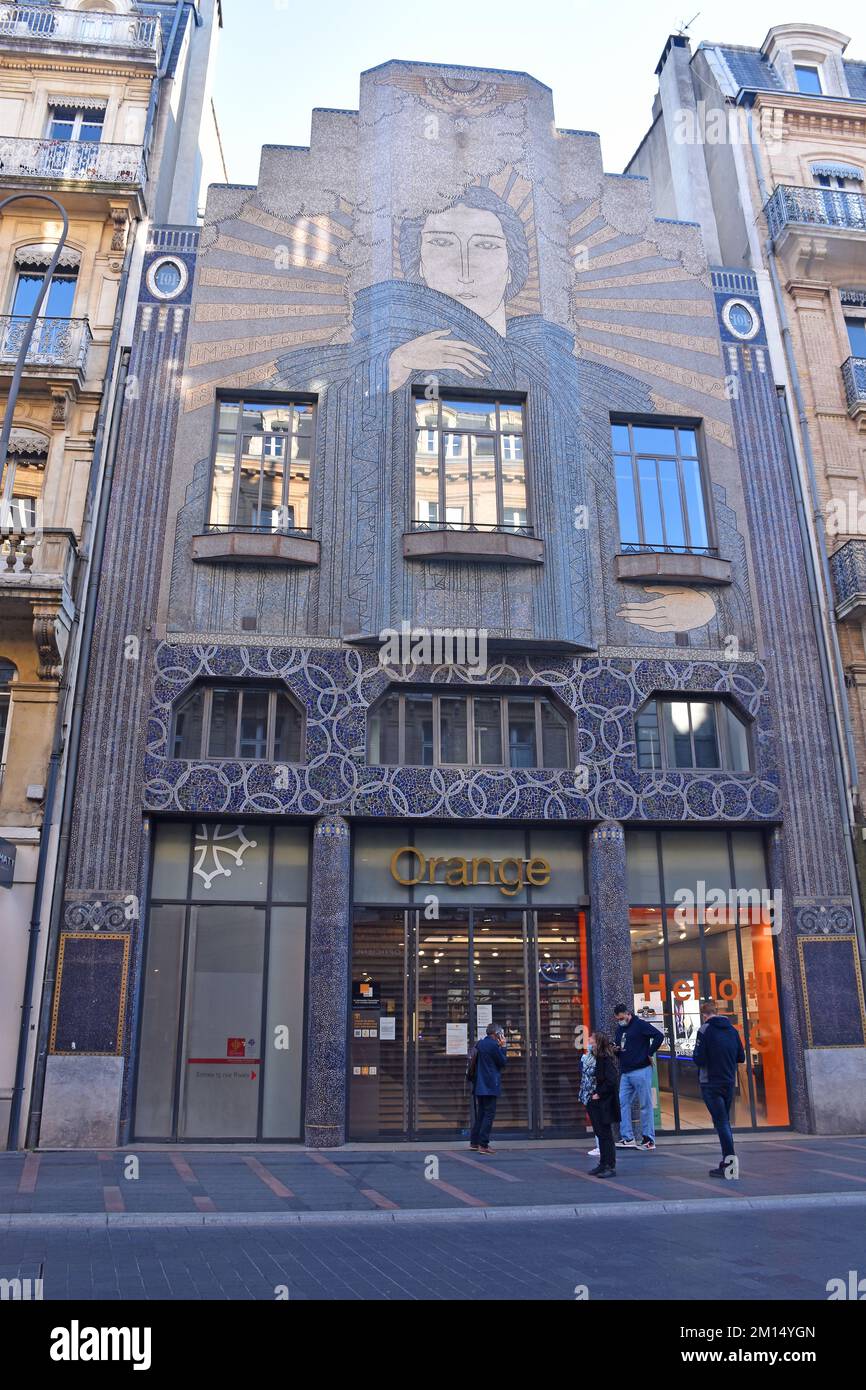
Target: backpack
column 472, row 1063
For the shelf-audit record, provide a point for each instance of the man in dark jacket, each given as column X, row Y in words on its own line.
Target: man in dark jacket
column 637, row 1042
column 487, row 1083
column 718, row 1050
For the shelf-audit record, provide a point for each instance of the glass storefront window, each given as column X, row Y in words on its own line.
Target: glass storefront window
column 710, row 937
column 222, row 1033
column 456, row 956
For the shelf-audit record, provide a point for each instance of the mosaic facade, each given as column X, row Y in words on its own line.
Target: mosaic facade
column 339, row 277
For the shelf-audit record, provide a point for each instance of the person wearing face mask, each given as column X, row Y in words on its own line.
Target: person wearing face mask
column 599, row 1092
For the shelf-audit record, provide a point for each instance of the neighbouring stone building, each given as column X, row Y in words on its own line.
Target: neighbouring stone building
column 438, row 379
column 106, row 109
column 766, row 149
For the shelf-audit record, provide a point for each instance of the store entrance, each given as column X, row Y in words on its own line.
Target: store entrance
column 423, row 990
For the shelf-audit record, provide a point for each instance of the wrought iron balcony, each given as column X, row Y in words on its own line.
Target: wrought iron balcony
column 854, row 377
column 74, row 161
column 815, row 207
column 848, row 568
column 55, row 342
column 41, row 24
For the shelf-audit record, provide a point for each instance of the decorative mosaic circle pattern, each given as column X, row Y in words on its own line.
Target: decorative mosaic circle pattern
column 337, row 687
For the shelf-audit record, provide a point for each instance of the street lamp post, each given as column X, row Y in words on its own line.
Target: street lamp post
column 27, row 338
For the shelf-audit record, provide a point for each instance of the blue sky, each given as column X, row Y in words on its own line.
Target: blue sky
column 278, row 58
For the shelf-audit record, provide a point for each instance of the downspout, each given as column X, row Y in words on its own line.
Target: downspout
column 839, row 704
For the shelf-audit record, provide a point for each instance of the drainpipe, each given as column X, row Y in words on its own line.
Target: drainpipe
column 828, row 629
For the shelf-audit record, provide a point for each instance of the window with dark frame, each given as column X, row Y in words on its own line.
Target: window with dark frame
column 260, row 480
column 856, row 328
column 683, row 735
column 448, row 729
column 660, row 489
column 470, row 465
column 245, row 723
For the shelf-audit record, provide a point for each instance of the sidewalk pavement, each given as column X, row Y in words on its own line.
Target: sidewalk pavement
column 185, row 1186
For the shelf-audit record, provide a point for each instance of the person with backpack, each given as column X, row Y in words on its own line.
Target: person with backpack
column 718, row 1051
column 599, row 1092
column 484, row 1070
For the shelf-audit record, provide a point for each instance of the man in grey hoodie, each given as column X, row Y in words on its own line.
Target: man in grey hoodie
column 718, row 1051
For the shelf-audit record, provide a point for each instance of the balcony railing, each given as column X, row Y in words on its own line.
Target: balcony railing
column 79, row 161
column 55, row 342
column 57, row 25
column 45, row 558
column 854, row 377
column 848, row 568
column 815, row 207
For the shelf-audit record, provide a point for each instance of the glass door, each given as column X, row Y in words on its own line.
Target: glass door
column 378, row 1040
column 424, row 991
column 221, row 1056
column 499, row 950
column 562, row 971
column 441, row 1032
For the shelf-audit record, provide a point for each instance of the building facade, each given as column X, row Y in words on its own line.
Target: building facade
column 766, row 149
column 106, row 109
column 450, row 680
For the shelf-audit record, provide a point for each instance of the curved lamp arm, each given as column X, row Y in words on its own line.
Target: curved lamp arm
column 31, row 325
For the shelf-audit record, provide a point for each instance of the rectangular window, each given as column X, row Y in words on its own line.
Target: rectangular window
column 470, row 471
column 659, row 488
column 261, row 466
column 808, row 79
column 857, row 336
column 691, row 734
column 418, row 715
column 20, row 491
column 453, row 730
column 57, row 304
column 248, row 723
column 76, row 123
column 701, row 926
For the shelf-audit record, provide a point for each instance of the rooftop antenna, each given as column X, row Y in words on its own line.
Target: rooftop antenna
column 685, row 26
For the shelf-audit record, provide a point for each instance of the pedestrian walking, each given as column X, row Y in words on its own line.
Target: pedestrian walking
column 602, row 1101
column 718, row 1050
column 637, row 1042
column 490, row 1060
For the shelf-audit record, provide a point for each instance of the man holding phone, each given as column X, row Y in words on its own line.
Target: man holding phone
column 490, row 1059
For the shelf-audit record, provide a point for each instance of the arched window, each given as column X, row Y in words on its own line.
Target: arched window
column 447, row 728
column 680, row 734
column 7, row 675
column 245, row 722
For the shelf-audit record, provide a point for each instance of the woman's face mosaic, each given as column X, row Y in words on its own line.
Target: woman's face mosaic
column 464, row 254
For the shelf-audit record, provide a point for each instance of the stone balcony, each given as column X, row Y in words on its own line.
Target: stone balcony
column 37, row 583
column 854, row 377
column 848, row 568
column 58, row 348
column 57, row 29
column 71, row 163
column 818, row 233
